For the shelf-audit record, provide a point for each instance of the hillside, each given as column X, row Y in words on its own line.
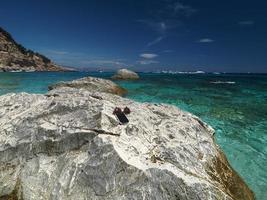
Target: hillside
column 15, row 57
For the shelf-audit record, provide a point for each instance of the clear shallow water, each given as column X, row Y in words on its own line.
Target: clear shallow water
column 237, row 111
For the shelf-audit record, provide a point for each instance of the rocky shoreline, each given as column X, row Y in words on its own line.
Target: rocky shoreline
column 67, row 144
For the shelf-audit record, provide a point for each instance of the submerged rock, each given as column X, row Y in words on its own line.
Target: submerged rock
column 125, row 74
column 67, row 144
column 92, row 84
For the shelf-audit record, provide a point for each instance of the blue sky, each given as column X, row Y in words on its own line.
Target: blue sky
column 145, row 35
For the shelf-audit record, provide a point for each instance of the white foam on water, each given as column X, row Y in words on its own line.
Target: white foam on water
column 222, row 82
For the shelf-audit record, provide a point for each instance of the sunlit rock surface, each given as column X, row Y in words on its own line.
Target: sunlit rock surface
column 67, row 144
column 91, row 84
column 125, row 74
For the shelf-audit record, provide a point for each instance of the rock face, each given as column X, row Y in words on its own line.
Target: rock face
column 92, row 84
column 14, row 57
column 125, row 74
column 67, row 144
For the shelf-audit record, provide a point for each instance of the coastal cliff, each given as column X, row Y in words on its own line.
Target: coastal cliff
column 15, row 57
column 67, row 144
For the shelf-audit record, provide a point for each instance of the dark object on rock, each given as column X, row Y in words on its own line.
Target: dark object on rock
column 120, row 115
column 153, row 159
column 97, row 97
column 116, row 111
column 51, row 95
column 126, row 110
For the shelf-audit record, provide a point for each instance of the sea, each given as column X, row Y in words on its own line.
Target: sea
column 235, row 105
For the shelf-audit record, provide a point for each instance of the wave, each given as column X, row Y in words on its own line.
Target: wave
column 181, row 72
column 222, row 82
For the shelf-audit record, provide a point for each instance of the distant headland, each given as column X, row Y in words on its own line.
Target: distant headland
column 16, row 58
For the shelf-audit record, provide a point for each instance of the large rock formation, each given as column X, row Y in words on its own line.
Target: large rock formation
column 67, row 144
column 125, row 74
column 14, row 57
column 92, row 84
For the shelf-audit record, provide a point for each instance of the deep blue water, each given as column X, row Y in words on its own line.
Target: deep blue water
column 236, row 107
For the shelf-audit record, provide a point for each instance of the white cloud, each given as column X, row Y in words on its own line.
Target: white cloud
column 180, row 8
column 246, row 23
column 63, row 57
column 206, row 40
column 158, row 26
column 157, row 40
column 168, row 51
column 81, row 59
column 163, row 25
column 147, row 62
column 57, row 52
column 148, row 55
column 116, row 63
column 167, row 16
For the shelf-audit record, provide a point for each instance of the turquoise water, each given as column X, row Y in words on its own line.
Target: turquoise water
column 236, row 107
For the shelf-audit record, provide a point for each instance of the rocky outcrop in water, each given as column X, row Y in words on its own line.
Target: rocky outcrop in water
column 15, row 57
column 91, row 84
column 125, row 74
column 67, row 144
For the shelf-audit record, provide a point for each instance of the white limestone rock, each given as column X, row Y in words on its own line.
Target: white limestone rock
column 125, row 74
column 92, row 84
column 68, row 145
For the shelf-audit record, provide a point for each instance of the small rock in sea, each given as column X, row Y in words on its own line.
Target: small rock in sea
column 125, row 74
